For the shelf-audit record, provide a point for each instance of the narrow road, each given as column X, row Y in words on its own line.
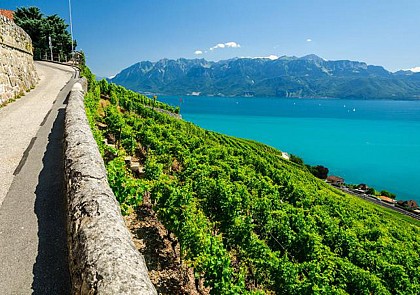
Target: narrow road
column 372, row 199
column 33, row 252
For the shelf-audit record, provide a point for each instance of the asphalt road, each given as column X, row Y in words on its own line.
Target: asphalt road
column 33, row 252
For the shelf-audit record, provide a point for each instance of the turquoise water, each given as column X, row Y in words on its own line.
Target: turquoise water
column 373, row 142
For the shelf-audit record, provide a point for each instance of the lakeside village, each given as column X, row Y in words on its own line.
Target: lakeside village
column 383, row 198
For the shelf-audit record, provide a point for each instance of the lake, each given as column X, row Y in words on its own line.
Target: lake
column 363, row 141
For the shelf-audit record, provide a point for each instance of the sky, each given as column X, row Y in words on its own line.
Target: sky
column 116, row 34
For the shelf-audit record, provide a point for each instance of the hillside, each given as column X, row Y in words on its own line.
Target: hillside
column 246, row 220
column 308, row 76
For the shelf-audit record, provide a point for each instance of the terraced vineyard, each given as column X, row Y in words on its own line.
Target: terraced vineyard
column 246, row 220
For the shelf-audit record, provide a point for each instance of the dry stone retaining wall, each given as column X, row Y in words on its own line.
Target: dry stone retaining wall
column 17, row 70
column 102, row 256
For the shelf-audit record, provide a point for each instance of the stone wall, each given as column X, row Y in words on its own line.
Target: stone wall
column 102, row 256
column 17, row 70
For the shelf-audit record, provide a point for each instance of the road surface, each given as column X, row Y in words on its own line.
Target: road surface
column 33, row 252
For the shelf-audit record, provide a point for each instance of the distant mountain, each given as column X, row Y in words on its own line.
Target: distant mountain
column 308, row 76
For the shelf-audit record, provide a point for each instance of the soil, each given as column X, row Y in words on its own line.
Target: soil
column 161, row 252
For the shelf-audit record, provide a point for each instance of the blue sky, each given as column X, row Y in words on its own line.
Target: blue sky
column 116, row 34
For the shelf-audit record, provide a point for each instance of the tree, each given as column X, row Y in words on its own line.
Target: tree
column 296, row 159
column 57, row 29
column 40, row 28
column 388, row 194
column 370, row 191
column 31, row 21
column 319, row 171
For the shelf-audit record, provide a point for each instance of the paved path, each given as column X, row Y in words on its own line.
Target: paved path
column 33, row 252
column 373, row 199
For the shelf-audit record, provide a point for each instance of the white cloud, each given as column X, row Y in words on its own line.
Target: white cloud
column 232, row 44
column 308, row 40
column 226, row 45
column 198, row 52
column 220, row 45
column 415, row 70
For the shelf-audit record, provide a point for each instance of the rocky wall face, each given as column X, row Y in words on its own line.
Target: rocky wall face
column 17, row 70
column 102, row 256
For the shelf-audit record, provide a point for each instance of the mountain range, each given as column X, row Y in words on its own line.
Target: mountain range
column 308, row 76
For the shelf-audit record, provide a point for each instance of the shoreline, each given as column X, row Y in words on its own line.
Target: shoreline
column 281, row 97
column 311, row 125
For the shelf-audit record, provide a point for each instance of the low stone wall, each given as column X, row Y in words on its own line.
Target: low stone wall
column 17, row 70
column 102, row 256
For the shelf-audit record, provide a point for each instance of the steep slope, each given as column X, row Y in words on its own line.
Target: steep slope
column 246, row 220
column 308, row 76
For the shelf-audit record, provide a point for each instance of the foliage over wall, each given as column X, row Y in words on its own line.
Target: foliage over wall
column 40, row 28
